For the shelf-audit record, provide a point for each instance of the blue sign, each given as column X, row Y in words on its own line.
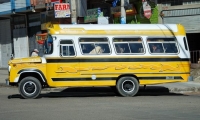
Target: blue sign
column 99, row 11
column 114, row 3
column 123, row 20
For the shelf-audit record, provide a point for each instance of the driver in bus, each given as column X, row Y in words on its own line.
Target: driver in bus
column 34, row 53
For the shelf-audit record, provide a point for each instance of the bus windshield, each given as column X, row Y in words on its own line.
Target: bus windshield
column 48, row 45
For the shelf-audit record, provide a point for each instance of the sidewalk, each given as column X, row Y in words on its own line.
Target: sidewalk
column 192, row 86
column 3, row 76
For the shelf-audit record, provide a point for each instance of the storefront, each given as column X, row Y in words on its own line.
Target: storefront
column 135, row 12
column 20, row 36
column 5, row 42
column 190, row 18
column 33, row 29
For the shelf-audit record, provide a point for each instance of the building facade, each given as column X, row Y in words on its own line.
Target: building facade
column 22, row 20
column 187, row 13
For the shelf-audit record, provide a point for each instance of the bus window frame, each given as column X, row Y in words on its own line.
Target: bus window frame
column 81, row 51
column 129, row 45
column 161, row 37
column 185, row 43
column 75, row 52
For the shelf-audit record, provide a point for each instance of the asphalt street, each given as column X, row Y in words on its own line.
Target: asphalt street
column 178, row 101
column 99, row 104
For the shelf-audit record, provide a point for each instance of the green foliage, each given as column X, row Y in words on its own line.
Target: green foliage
column 154, row 16
column 139, row 18
column 117, row 20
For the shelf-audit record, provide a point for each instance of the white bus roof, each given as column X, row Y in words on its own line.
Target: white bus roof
column 97, row 29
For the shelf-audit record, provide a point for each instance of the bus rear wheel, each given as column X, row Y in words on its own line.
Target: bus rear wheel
column 127, row 86
column 30, row 87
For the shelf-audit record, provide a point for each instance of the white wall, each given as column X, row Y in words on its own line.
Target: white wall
column 21, row 46
column 5, row 43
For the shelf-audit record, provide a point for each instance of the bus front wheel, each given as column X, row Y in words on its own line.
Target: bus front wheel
column 30, row 87
column 127, row 86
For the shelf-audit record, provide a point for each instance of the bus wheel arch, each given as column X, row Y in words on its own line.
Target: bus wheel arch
column 35, row 75
column 130, row 75
column 127, row 85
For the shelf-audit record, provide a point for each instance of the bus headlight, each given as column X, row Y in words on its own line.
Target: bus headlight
column 9, row 67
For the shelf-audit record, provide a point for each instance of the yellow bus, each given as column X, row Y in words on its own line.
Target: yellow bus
column 120, row 56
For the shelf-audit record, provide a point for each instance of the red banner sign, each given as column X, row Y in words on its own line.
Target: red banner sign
column 62, row 10
column 146, row 9
column 61, row 6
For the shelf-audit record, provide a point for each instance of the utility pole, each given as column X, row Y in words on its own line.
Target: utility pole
column 73, row 12
column 123, row 13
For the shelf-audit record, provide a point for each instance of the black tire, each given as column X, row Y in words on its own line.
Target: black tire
column 127, row 86
column 30, row 87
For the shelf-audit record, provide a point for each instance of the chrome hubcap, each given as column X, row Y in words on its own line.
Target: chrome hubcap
column 29, row 88
column 128, row 86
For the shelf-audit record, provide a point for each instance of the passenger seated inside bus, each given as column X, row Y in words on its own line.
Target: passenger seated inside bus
column 97, row 50
column 71, row 51
column 156, row 48
column 86, row 48
column 105, row 48
column 119, row 49
column 67, row 51
column 136, row 47
column 141, row 50
column 170, row 48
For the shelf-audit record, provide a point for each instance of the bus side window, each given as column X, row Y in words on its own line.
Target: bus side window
column 67, row 48
column 100, row 48
column 71, row 51
column 156, row 47
column 163, row 45
column 118, row 48
column 96, row 50
column 104, row 48
column 128, row 45
column 94, row 46
column 122, row 48
column 136, row 48
column 170, row 47
column 87, row 48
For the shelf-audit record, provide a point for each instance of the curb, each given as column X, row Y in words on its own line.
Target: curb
column 183, row 90
column 4, row 85
column 153, row 89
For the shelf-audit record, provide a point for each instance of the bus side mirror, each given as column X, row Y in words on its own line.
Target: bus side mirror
column 12, row 56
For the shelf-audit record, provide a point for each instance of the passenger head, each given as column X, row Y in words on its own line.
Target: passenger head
column 154, row 47
column 36, row 50
column 121, row 40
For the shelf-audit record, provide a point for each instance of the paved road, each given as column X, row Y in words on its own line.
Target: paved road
column 99, row 104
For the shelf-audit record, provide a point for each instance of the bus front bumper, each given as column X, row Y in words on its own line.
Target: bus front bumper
column 7, row 81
